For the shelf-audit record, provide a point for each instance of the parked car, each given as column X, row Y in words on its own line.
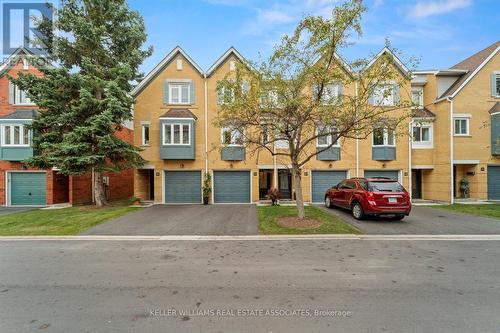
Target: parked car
column 370, row 196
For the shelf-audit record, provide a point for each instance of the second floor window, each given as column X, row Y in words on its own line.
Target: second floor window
column 176, row 134
column 15, row 135
column 417, row 97
column 19, row 96
column 384, row 95
column 384, row 137
column 461, row 126
column 422, row 135
column 145, row 134
column 495, row 81
column 331, row 93
column 231, row 137
column 326, row 140
column 180, row 92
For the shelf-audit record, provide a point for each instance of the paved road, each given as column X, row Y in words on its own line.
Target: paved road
column 112, row 286
column 4, row 210
column 423, row 221
column 183, row 220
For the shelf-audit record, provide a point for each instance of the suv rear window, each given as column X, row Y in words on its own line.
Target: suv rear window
column 385, row 187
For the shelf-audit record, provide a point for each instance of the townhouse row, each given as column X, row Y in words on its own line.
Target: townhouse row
column 453, row 134
column 21, row 185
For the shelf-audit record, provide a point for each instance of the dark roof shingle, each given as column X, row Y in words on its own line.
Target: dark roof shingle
column 179, row 113
column 422, row 113
column 495, row 108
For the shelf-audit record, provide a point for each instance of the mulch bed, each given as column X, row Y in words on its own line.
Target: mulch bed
column 294, row 222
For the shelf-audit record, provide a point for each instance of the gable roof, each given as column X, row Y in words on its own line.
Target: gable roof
column 422, row 113
column 399, row 64
column 13, row 59
column 342, row 63
column 222, row 58
column 472, row 65
column 158, row 68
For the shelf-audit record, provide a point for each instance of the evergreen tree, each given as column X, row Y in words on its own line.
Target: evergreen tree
column 96, row 51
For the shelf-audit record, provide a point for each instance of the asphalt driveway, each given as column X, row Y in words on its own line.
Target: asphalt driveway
column 183, row 220
column 424, row 221
column 6, row 210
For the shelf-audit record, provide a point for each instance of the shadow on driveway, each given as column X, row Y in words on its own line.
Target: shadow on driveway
column 183, row 220
column 423, row 221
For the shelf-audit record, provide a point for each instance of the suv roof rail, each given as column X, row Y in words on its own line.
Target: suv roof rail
column 388, row 178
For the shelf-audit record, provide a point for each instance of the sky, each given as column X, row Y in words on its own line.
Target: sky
column 439, row 33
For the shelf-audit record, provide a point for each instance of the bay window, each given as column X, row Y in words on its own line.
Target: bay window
column 327, row 139
column 231, row 137
column 176, row 134
column 15, row 135
column 384, row 137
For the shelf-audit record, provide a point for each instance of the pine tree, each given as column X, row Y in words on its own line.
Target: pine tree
column 96, row 52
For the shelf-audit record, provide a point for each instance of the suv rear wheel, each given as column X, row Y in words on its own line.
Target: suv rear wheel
column 357, row 211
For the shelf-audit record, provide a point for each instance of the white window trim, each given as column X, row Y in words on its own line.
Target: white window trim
column 420, row 91
column 232, row 131
column 423, row 144
column 386, row 139
column 178, row 85
column 181, row 132
column 497, row 75
column 17, row 96
column 143, row 136
column 467, row 121
column 390, row 96
column 21, row 136
column 328, row 139
column 330, row 100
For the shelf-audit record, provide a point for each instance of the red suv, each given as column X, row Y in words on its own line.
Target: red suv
column 370, row 196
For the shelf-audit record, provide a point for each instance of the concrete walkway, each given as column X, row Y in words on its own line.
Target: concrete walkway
column 183, row 220
column 423, row 221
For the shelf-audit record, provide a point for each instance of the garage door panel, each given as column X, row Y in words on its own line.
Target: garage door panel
column 323, row 180
column 28, row 188
column 382, row 173
column 232, row 187
column 494, row 182
column 182, row 186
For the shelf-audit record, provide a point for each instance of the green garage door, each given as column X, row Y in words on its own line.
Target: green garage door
column 494, row 182
column 28, row 188
column 232, row 187
column 382, row 173
column 183, row 187
column 322, row 181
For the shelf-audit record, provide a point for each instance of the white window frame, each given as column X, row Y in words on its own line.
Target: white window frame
column 181, row 134
column 420, row 91
column 423, row 144
column 17, row 97
column 467, row 122
column 21, row 136
column 329, row 139
column 233, row 136
column 178, row 85
column 326, row 98
column 387, row 100
column 143, row 133
column 386, row 138
column 497, row 90
column 221, row 95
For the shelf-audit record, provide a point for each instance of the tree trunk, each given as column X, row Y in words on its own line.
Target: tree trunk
column 297, row 177
column 99, row 190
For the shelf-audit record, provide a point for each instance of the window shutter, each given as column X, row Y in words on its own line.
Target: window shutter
column 395, row 94
column 11, row 92
column 165, row 92
column 493, row 84
column 191, row 87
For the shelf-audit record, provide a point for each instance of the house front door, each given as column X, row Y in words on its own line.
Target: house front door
column 285, row 184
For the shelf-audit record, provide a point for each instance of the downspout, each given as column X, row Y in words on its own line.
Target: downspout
column 410, row 180
column 206, row 121
column 357, row 139
column 452, row 187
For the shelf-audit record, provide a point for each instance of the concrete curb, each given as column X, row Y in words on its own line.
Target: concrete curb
column 255, row 238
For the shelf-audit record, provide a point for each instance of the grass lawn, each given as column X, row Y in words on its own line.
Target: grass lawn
column 492, row 210
column 65, row 221
column 331, row 224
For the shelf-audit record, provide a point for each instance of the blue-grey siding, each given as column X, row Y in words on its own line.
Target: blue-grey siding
column 495, row 135
column 27, row 188
column 331, row 154
column 182, row 186
column 231, row 153
column 10, row 153
column 323, row 180
column 383, row 153
column 232, row 187
column 494, row 182
column 178, row 152
column 382, row 173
